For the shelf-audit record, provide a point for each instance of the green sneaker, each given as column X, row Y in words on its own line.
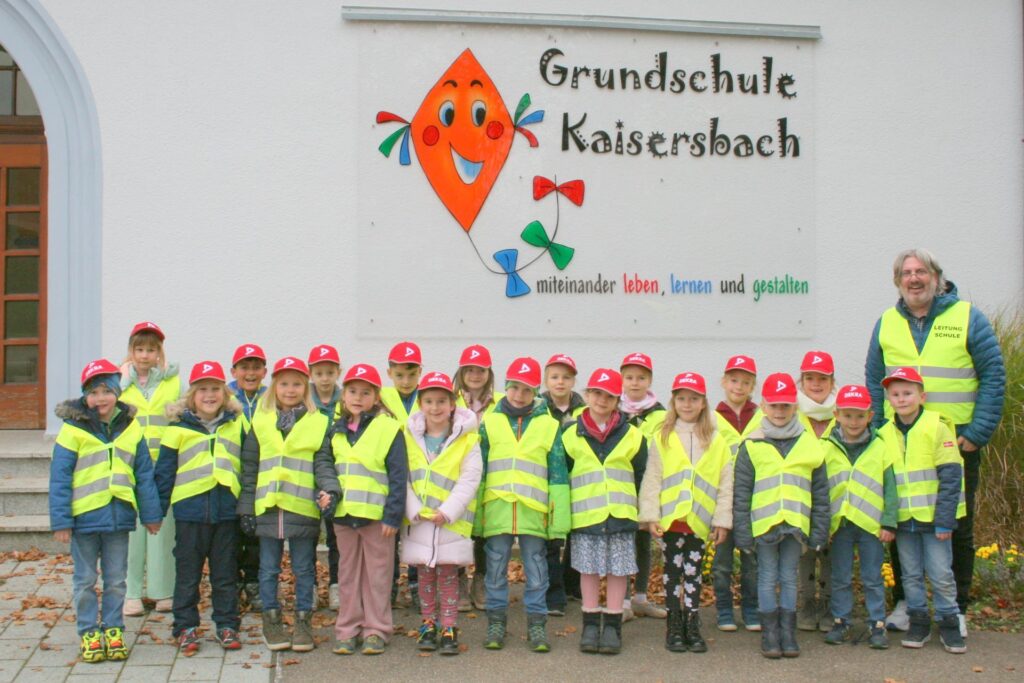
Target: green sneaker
column 92, row 647
column 496, row 627
column 114, row 645
column 345, row 647
column 373, row 645
column 537, row 633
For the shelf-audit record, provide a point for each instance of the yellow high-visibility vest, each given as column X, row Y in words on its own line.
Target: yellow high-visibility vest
column 601, row 490
column 362, row 468
column 285, row 478
column 690, row 493
column 206, row 460
column 392, row 400
column 782, row 486
column 432, row 482
column 855, row 491
column 150, row 413
column 103, row 471
column 651, row 422
column 806, row 422
column 517, row 469
column 950, row 381
column 732, row 437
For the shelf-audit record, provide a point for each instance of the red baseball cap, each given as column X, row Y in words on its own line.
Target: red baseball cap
column 606, row 380
column 744, row 363
column 525, row 371
column 691, row 381
column 98, row 367
column 290, row 363
column 324, row 353
column 779, row 387
column 904, row 374
column 561, row 359
column 437, row 380
column 853, row 396
column 475, row 355
column 405, row 352
column 207, row 369
column 146, row 326
column 248, row 351
column 641, row 359
column 818, row 361
column 364, row 373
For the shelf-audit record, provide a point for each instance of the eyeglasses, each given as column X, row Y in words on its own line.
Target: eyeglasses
column 920, row 272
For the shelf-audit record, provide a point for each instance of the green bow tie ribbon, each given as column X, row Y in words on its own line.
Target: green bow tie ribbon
column 535, row 234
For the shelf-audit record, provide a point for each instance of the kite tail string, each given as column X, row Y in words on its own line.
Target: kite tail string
column 554, row 234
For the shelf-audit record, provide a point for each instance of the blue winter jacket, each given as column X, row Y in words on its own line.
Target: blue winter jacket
column 982, row 345
column 216, row 505
column 248, row 405
column 117, row 515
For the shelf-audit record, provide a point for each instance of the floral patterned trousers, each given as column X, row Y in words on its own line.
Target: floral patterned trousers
column 684, row 555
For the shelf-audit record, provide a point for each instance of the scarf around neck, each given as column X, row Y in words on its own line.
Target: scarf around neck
column 631, row 407
column 822, row 412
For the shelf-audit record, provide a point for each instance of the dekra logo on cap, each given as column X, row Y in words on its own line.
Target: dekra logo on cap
column 779, row 385
column 207, row 367
column 604, row 377
column 474, row 353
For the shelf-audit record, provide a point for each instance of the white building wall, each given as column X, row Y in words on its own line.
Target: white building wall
column 229, row 139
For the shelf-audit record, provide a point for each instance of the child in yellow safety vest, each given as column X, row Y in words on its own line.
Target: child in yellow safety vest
column 930, row 485
column 474, row 389
column 361, row 475
column 101, row 480
column 607, row 457
column 862, row 491
column 150, row 383
column 780, row 508
column 816, row 400
column 325, row 371
column 646, row 413
column 442, row 443
column 278, row 498
column 198, row 473
column 686, row 500
column 524, row 495
column 737, row 417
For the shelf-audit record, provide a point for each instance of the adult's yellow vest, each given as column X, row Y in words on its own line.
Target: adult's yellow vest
column 150, row 413
column 488, row 409
column 782, row 486
column 206, row 460
column 432, row 482
column 950, row 382
column 362, row 469
column 732, row 437
column 601, row 490
column 690, row 493
column 392, row 400
column 285, row 478
column 103, row 471
column 914, row 463
column 855, row 491
column 517, row 469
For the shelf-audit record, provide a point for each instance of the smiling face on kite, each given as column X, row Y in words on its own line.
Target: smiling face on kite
column 462, row 134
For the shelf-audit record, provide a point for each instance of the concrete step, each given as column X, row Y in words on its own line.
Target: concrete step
column 24, row 495
column 25, row 453
column 21, row 532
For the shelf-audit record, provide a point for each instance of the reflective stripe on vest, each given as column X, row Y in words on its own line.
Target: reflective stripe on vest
column 206, row 460
column 103, row 471
column 689, row 493
column 517, row 469
column 601, row 490
column 732, row 437
column 913, row 463
column 361, row 468
column 782, row 486
column 285, row 479
column 149, row 413
column 855, row 492
column 950, row 381
column 433, row 481
column 392, row 400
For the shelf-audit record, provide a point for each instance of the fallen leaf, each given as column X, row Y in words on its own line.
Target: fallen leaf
column 268, row 665
column 463, row 647
column 424, row 654
column 246, row 665
column 289, row 662
column 570, row 629
column 471, row 615
column 410, row 634
column 255, row 655
column 189, row 653
column 978, row 669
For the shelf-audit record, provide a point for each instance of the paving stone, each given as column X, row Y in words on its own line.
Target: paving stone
column 146, row 655
column 237, row 672
column 26, row 629
column 9, row 668
column 39, row 674
column 57, row 655
column 111, row 669
column 144, row 674
column 63, row 633
column 195, row 669
column 18, row 649
column 245, row 656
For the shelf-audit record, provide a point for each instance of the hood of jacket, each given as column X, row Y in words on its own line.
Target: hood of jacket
column 74, row 411
column 463, row 421
column 178, row 411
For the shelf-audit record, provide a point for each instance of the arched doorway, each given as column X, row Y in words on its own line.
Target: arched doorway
column 22, row 252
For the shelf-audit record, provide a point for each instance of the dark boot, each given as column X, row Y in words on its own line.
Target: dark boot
column 674, row 638
column 691, row 633
column 610, row 642
column 787, row 633
column 497, row 620
column 920, row 631
column 949, row 634
column 537, row 632
column 591, row 632
column 302, row 633
column 770, row 647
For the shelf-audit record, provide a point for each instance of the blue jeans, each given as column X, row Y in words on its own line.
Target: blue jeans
column 871, row 554
column 777, row 566
column 111, row 551
column 303, row 554
column 922, row 553
column 721, row 575
column 533, row 551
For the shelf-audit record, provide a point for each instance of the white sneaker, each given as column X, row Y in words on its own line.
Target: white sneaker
column 963, row 625
column 898, row 620
column 332, row 596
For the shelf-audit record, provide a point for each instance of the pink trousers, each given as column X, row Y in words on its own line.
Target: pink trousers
column 439, row 592
column 365, row 565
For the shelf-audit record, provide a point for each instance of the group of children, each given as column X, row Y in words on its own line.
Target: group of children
column 441, row 473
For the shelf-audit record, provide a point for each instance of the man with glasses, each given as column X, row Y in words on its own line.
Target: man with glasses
column 952, row 345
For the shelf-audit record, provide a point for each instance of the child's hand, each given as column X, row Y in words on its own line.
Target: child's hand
column 323, row 499
column 153, row 528
column 886, row 536
column 944, row 536
column 718, row 535
column 387, row 531
column 62, row 535
column 439, row 519
column 655, row 529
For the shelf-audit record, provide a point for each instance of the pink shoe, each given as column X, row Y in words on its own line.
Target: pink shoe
column 133, row 607
column 164, row 605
